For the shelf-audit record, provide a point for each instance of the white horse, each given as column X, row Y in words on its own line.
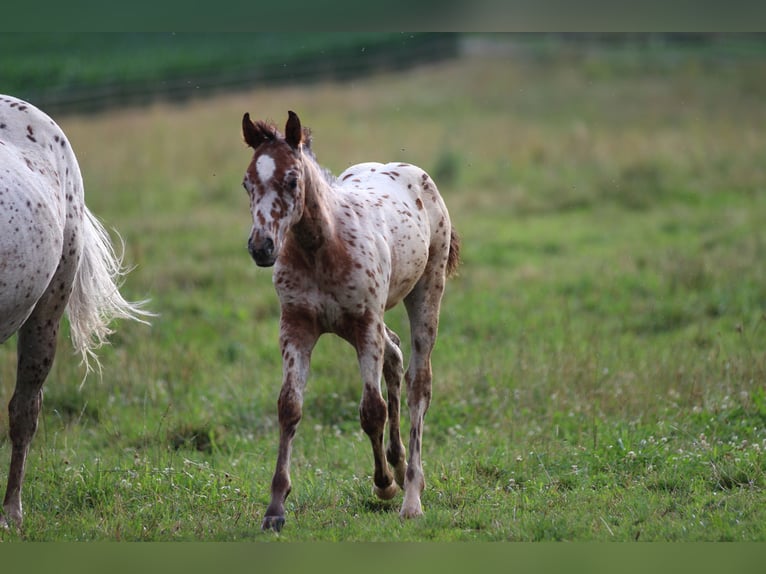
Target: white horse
column 54, row 256
column 344, row 251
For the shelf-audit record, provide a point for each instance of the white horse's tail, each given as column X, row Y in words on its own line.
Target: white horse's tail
column 95, row 300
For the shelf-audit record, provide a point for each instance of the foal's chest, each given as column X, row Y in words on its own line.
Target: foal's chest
column 334, row 293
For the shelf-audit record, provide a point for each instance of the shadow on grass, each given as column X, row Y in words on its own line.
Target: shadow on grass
column 376, row 506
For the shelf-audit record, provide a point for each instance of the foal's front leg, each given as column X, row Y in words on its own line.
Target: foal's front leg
column 297, row 339
column 423, row 309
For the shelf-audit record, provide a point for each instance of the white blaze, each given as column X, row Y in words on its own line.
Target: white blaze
column 265, row 167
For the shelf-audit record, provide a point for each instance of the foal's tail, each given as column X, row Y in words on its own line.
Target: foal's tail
column 453, row 259
column 95, row 300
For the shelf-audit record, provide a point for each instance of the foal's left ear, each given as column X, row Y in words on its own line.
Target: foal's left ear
column 293, row 131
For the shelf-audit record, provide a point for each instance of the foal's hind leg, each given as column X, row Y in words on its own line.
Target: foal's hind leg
column 36, row 351
column 393, row 371
column 371, row 348
column 423, row 309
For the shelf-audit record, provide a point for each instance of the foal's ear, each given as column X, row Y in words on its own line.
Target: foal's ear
column 293, row 131
column 253, row 136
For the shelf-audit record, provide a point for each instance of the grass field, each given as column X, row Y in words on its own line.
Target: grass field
column 600, row 368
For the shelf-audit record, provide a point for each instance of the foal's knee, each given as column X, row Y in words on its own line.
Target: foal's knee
column 419, row 386
column 393, row 369
column 373, row 412
column 393, row 362
column 289, row 409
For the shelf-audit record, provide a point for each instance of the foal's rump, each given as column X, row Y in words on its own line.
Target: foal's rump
column 402, row 204
column 406, row 192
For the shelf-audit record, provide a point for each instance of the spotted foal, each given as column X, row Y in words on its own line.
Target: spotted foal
column 345, row 250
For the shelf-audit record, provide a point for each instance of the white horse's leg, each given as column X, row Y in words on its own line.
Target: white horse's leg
column 297, row 340
column 393, row 371
column 36, row 351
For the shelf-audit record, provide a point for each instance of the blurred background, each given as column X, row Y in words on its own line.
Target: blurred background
column 67, row 72
column 599, row 372
column 93, row 71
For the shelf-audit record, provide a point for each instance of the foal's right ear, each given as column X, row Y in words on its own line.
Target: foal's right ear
column 293, row 131
column 253, row 136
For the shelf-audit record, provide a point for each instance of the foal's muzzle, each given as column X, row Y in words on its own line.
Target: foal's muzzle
column 263, row 252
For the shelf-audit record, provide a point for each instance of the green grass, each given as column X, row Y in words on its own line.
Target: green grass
column 600, row 369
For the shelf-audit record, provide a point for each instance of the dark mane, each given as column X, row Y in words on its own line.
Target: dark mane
column 267, row 130
column 307, row 138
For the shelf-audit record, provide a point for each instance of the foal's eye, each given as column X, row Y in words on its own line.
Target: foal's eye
column 292, row 183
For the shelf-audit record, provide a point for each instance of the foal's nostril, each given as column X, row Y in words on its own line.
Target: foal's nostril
column 262, row 254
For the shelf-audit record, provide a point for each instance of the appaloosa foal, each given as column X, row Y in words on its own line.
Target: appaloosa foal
column 344, row 251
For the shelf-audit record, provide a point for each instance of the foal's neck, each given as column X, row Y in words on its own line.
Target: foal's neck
column 316, row 226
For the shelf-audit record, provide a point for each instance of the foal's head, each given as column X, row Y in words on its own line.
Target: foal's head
column 274, row 183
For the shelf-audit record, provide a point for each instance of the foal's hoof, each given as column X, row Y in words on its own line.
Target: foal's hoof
column 411, row 509
column 274, row 523
column 386, row 493
column 8, row 521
